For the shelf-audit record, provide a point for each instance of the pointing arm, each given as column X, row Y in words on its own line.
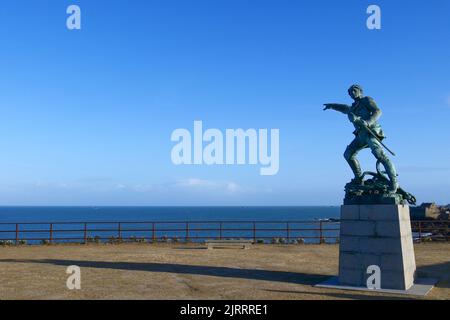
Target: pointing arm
column 337, row 107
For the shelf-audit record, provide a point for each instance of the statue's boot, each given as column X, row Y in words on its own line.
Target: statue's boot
column 356, row 168
column 392, row 174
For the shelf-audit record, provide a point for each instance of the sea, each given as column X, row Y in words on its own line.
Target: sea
column 74, row 224
column 107, row 214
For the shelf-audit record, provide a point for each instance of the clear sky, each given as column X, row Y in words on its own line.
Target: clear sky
column 87, row 115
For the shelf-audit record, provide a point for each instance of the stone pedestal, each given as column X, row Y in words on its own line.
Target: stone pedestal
column 376, row 235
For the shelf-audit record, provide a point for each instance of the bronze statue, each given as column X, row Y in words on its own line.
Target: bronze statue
column 364, row 114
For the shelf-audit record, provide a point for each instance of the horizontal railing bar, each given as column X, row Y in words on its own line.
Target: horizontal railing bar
column 147, row 230
column 172, row 222
column 183, row 229
column 180, row 239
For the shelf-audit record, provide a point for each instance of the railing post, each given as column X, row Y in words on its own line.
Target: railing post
column 85, row 233
column 17, row 233
column 153, row 232
column 51, row 232
column 254, row 232
column 220, row 231
column 321, row 232
column 288, row 232
column 187, row 232
column 119, row 230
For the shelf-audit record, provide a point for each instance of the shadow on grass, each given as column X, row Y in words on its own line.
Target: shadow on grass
column 440, row 271
column 351, row 296
column 227, row 272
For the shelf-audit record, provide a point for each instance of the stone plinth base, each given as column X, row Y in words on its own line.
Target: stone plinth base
column 376, row 235
column 421, row 287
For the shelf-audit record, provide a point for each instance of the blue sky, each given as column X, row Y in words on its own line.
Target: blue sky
column 86, row 116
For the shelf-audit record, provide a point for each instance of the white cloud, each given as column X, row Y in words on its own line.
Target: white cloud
column 142, row 188
column 233, row 187
column 183, row 185
column 194, row 182
column 78, row 185
column 200, row 184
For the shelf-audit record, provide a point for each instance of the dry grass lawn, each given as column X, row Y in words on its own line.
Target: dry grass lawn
column 179, row 271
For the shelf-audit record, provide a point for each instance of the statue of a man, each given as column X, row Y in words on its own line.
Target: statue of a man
column 365, row 113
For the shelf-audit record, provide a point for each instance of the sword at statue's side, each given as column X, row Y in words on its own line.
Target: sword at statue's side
column 378, row 139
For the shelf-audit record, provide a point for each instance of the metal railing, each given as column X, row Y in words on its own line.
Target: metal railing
column 187, row 231
column 431, row 230
column 194, row 231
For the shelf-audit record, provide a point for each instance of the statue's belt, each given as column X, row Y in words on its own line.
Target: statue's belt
column 377, row 130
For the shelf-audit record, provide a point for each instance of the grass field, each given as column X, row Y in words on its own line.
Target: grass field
column 180, row 271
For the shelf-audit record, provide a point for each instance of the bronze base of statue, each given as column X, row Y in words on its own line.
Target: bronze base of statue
column 375, row 190
column 374, row 199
